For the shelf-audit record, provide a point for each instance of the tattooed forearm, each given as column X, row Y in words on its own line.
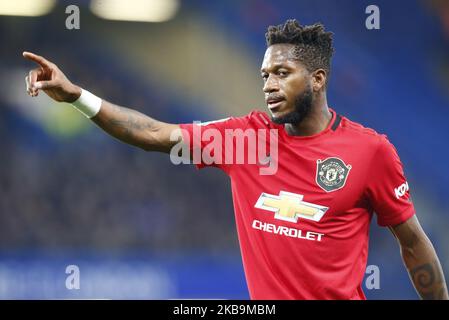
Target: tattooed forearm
column 428, row 280
column 424, row 275
column 134, row 128
column 421, row 260
column 131, row 122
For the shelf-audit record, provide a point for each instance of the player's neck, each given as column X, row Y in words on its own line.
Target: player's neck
column 314, row 123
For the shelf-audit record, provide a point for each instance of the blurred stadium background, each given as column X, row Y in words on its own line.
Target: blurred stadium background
column 138, row 226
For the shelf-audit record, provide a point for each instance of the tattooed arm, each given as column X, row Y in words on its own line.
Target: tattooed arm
column 125, row 124
column 135, row 128
column 420, row 260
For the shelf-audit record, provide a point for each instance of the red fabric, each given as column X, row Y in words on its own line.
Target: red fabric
column 308, row 259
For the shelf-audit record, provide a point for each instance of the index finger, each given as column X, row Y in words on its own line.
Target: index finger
column 36, row 58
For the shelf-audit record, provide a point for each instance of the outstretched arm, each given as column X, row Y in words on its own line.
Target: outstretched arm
column 125, row 124
column 421, row 260
column 135, row 128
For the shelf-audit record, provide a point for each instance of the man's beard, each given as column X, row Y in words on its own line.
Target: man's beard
column 303, row 106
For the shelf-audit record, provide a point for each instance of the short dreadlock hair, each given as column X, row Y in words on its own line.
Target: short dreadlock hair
column 313, row 45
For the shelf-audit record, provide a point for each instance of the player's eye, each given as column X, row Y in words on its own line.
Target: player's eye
column 264, row 76
column 282, row 73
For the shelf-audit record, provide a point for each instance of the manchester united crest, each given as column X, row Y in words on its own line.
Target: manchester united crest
column 331, row 174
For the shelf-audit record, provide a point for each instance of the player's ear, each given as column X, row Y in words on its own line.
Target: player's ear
column 319, row 77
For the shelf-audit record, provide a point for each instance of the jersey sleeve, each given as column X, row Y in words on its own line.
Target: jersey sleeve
column 388, row 189
column 207, row 140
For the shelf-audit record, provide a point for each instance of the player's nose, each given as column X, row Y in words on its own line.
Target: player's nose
column 271, row 85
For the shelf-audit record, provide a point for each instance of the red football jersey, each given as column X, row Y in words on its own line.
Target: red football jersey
column 303, row 230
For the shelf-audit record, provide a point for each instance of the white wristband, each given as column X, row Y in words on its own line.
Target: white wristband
column 88, row 103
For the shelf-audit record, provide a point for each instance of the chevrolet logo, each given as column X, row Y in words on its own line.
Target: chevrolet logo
column 289, row 207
